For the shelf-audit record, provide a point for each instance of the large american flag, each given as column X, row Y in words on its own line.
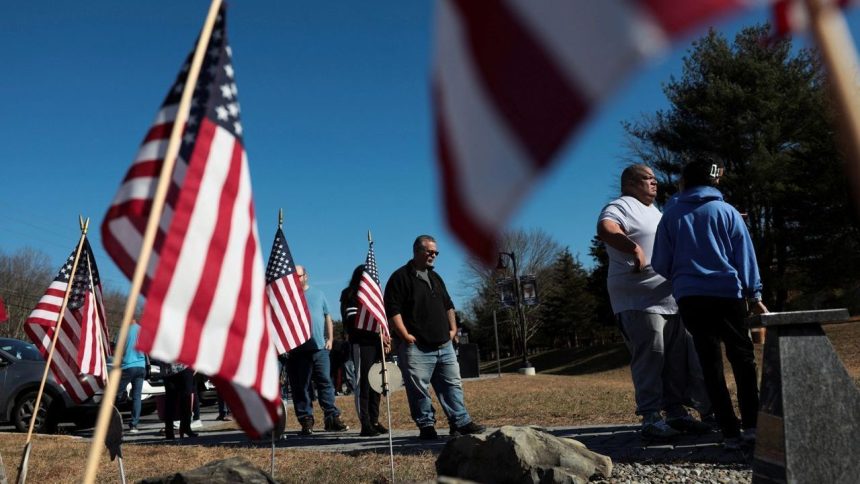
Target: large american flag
column 291, row 318
column 206, row 305
column 371, row 312
column 82, row 342
column 513, row 79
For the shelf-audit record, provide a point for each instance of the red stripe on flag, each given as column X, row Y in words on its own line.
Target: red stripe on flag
column 526, row 86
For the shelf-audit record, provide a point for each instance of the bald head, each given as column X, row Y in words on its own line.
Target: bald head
column 638, row 182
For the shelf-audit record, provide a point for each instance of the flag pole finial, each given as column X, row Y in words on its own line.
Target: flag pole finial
column 369, row 237
column 280, row 217
column 85, row 224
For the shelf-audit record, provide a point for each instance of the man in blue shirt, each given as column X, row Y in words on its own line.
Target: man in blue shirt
column 310, row 363
column 703, row 247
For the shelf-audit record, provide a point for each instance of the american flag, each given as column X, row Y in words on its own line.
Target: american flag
column 371, row 313
column 80, row 348
column 513, row 79
column 206, row 305
column 291, row 319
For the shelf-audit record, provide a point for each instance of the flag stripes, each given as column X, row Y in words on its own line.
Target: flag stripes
column 291, row 319
column 205, row 288
column 371, row 312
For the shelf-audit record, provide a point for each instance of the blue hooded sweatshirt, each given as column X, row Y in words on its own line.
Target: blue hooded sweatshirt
column 703, row 246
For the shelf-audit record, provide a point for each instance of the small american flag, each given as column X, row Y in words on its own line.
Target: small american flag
column 205, row 287
column 83, row 332
column 291, row 319
column 371, row 313
column 513, row 79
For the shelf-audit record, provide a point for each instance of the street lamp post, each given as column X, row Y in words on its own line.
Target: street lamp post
column 527, row 368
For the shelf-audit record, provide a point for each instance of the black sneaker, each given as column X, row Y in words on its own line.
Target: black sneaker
column 307, row 424
column 428, row 433
column 335, row 424
column 380, row 428
column 368, row 431
column 689, row 425
column 469, row 428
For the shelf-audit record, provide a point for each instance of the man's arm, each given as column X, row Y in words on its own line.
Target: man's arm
column 329, row 332
column 613, row 235
column 452, row 324
column 400, row 328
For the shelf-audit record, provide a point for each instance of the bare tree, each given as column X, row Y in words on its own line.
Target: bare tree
column 24, row 276
column 535, row 251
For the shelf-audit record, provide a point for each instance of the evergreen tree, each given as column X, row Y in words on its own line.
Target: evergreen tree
column 567, row 306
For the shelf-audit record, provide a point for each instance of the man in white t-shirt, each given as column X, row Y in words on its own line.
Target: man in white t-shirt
column 647, row 314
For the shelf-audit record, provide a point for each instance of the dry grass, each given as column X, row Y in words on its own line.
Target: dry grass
column 572, row 397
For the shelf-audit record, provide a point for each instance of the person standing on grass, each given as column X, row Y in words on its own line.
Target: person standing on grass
column 646, row 312
column 365, row 348
column 422, row 315
column 703, row 246
column 310, row 362
column 133, row 371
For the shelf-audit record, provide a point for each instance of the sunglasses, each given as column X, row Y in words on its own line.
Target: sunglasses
column 434, row 253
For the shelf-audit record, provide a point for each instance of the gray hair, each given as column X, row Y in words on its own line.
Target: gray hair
column 418, row 245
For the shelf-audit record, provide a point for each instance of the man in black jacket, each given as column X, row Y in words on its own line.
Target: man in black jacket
column 422, row 315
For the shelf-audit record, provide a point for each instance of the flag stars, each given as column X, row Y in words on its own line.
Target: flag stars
column 229, row 51
column 228, row 69
column 234, row 109
column 237, row 126
column 222, row 113
column 226, row 91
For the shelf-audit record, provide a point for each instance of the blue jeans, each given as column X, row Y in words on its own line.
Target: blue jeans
column 424, row 366
column 133, row 375
column 303, row 367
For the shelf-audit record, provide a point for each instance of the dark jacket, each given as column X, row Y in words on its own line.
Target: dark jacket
column 424, row 310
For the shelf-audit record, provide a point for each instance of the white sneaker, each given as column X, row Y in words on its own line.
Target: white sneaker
column 196, row 424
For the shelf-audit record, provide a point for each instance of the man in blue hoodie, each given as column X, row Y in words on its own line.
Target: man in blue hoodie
column 703, row 247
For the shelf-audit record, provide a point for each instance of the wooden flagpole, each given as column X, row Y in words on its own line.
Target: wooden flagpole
column 22, row 473
column 158, row 201
column 385, row 389
column 840, row 57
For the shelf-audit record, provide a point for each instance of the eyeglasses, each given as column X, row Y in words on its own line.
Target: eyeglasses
column 434, row 253
column 303, row 274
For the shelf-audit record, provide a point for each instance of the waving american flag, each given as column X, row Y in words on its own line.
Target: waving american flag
column 291, row 319
column 205, row 287
column 371, row 312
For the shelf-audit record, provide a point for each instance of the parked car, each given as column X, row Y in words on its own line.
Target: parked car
column 21, row 370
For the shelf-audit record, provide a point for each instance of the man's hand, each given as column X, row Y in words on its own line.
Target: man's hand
column 409, row 339
column 638, row 259
column 453, row 335
column 758, row 308
column 328, row 344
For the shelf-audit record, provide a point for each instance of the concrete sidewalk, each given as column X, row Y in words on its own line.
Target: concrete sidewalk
column 620, row 442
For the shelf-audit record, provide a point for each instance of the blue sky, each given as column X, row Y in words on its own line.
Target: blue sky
column 336, row 117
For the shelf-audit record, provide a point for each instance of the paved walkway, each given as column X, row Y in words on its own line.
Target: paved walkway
column 620, row 442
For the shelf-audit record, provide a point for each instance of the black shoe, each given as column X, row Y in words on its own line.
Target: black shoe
column 335, row 424
column 368, row 431
column 428, row 433
column 380, row 428
column 689, row 425
column 307, row 424
column 469, row 428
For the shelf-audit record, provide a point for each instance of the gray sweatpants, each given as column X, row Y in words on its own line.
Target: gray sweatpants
column 665, row 369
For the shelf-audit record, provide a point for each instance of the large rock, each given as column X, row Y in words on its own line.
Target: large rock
column 521, row 455
column 227, row 471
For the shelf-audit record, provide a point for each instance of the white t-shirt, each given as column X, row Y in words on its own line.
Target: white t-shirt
column 645, row 290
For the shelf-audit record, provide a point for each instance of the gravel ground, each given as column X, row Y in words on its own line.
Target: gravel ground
column 682, row 472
